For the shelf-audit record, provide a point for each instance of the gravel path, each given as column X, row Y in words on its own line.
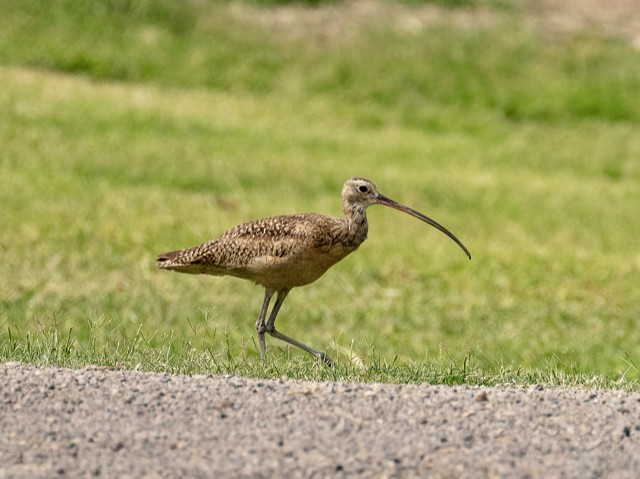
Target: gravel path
column 97, row 422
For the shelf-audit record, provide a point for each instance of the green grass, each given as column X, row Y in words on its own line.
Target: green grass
column 131, row 128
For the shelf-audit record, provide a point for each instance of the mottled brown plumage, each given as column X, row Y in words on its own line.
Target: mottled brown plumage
column 276, row 252
column 282, row 252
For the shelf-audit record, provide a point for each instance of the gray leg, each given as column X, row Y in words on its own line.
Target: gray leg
column 271, row 329
column 260, row 326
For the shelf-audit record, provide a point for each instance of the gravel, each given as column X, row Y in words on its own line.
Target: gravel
column 96, row 422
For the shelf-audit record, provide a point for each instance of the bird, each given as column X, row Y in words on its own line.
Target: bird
column 284, row 252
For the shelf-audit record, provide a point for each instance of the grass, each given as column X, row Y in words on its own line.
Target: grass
column 131, row 128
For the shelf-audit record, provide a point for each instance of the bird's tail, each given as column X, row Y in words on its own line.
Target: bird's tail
column 169, row 258
column 180, row 260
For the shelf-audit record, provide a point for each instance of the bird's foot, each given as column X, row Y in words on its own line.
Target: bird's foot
column 325, row 359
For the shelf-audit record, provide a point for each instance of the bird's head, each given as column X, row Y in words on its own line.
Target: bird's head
column 360, row 191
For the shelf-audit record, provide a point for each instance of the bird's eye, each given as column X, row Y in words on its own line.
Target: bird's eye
column 363, row 189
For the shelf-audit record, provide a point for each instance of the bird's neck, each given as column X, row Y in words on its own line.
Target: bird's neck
column 357, row 223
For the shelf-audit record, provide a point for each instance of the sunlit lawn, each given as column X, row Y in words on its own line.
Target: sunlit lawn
column 527, row 148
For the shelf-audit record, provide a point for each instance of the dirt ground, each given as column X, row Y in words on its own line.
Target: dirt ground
column 96, row 422
column 339, row 21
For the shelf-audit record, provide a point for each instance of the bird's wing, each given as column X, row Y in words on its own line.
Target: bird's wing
column 273, row 237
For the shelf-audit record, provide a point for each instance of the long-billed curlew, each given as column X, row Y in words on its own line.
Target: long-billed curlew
column 283, row 252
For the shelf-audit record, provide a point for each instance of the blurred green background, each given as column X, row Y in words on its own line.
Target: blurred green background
column 128, row 128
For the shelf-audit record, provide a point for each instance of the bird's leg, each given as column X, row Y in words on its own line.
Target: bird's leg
column 260, row 325
column 271, row 329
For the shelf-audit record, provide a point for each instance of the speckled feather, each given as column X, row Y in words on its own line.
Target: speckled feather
column 276, row 252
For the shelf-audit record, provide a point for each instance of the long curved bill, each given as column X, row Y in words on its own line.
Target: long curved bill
column 383, row 200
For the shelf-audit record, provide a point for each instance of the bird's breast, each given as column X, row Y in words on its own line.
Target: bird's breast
column 299, row 269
